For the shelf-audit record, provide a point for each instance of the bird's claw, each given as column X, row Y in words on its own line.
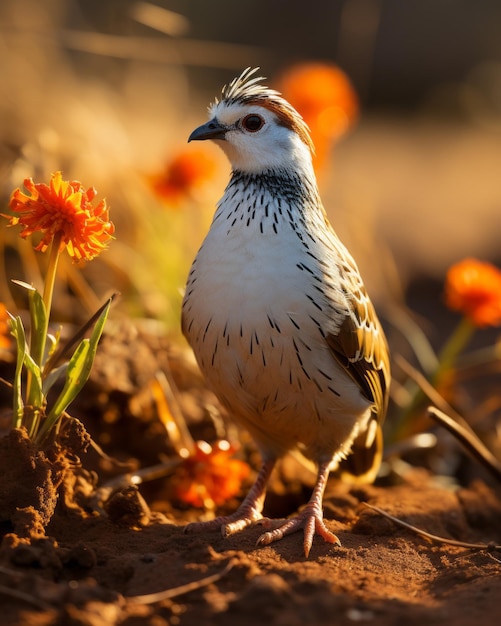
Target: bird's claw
column 311, row 523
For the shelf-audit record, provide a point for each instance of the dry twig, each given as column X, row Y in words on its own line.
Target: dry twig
column 452, row 542
column 469, row 440
column 151, row 598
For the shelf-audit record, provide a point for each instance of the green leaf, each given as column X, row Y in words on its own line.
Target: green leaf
column 63, row 350
column 77, row 374
column 53, row 377
column 17, row 331
column 36, row 396
column 39, row 322
column 24, row 285
column 35, row 355
column 36, row 400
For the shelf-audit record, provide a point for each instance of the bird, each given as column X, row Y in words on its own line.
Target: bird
column 277, row 314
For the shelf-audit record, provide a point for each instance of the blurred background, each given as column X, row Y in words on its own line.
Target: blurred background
column 109, row 90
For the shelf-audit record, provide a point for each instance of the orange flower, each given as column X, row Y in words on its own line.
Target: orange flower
column 324, row 96
column 5, row 341
column 210, row 477
column 474, row 288
column 181, row 177
column 64, row 209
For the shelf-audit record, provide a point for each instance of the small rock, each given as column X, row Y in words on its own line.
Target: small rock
column 128, row 508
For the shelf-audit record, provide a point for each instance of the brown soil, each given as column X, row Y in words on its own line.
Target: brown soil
column 72, row 556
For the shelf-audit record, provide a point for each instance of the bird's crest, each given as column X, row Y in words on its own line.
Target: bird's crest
column 247, row 89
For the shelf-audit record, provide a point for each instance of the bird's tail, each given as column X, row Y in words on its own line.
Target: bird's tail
column 362, row 464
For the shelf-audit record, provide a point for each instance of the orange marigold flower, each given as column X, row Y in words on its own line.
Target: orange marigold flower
column 183, row 175
column 65, row 209
column 326, row 99
column 474, row 288
column 209, row 477
column 5, row 340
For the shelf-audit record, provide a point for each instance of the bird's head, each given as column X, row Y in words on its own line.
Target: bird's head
column 257, row 129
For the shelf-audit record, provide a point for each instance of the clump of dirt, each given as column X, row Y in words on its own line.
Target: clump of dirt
column 33, row 480
column 74, row 553
column 30, row 478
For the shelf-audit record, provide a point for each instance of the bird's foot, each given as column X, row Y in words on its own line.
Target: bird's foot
column 247, row 513
column 243, row 517
column 310, row 520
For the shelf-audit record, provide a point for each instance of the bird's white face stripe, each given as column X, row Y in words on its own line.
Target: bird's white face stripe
column 259, row 137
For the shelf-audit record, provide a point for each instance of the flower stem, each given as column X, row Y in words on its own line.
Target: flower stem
column 40, row 312
column 50, row 278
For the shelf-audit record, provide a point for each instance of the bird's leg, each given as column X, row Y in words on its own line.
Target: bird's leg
column 247, row 513
column 310, row 519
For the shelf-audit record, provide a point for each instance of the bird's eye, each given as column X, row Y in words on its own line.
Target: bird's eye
column 253, row 123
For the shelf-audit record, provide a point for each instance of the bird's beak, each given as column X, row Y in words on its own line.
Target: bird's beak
column 213, row 129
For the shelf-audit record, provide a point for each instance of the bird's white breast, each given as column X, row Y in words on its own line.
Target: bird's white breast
column 260, row 298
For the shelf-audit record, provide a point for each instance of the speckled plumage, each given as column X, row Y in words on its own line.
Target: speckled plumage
column 276, row 312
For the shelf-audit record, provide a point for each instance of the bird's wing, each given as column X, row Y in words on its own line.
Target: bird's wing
column 360, row 348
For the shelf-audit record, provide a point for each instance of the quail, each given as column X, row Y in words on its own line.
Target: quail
column 277, row 314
